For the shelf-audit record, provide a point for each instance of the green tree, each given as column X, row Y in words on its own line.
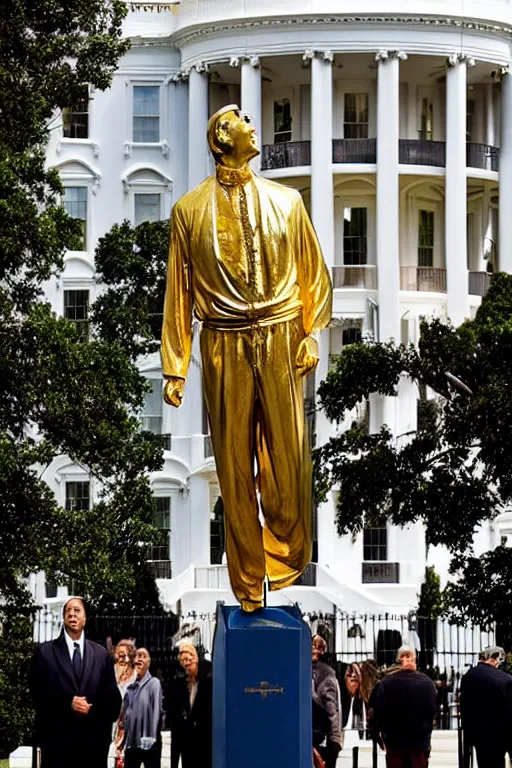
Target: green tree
column 430, row 599
column 455, row 471
column 60, row 393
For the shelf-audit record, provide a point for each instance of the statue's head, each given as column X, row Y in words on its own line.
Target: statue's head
column 231, row 137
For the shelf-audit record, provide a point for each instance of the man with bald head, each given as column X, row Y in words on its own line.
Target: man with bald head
column 244, row 258
column 75, row 695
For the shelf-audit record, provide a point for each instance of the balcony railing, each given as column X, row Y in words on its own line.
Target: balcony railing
column 362, row 276
column 307, row 577
column 211, row 577
column 413, row 152
column 482, row 156
column 430, row 279
column 381, row 573
column 479, row 283
column 161, row 569
column 354, row 151
column 289, row 154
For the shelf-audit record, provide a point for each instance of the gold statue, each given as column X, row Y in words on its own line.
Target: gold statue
column 244, row 256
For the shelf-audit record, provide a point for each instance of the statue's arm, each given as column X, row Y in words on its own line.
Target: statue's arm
column 177, row 321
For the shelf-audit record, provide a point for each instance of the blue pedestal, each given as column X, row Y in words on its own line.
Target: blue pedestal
column 261, row 689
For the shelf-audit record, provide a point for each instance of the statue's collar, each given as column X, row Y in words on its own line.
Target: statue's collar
column 233, row 177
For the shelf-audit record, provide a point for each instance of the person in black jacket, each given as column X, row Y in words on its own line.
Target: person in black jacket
column 404, row 711
column 75, row 696
column 486, row 709
column 191, row 715
column 327, row 736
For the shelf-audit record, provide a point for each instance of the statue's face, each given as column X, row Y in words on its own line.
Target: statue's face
column 237, row 130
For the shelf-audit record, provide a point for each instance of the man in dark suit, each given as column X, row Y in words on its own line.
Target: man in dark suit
column 486, row 709
column 404, row 711
column 75, row 695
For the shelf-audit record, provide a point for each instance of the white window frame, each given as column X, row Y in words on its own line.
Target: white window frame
column 140, row 186
column 130, row 145
column 90, row 141
column 421, row 204
column 354, row 200
column 77, row 173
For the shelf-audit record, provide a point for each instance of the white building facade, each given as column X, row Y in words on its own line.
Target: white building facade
column 394, row 120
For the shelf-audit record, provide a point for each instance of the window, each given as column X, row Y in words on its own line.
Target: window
column 151, row 419
column 75, row 118
column 158, row 554
column 375, row 544
column 147, row 208
column 425, row 238
column 355, row 124
column 427, row 120
column 76, row 309
column 470, row 119
column 75, row 205
column 355, row 239
column 349, row 331
column 78, row 496
column 282, row 121
column 146, row 113
column 217, row 544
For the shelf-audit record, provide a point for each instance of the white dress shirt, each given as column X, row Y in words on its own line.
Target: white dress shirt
column 71, row 644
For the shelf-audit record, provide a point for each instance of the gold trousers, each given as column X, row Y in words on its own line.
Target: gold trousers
column 255, row 403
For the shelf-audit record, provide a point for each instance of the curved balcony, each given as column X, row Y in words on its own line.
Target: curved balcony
column 478, row 283
column 292, row 154
column 354, row 151
column 289, row 154
column 429, row 279
column 421, row 152
column 482, row 156
column 362, row 276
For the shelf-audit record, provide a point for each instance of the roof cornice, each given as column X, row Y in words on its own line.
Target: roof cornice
column 192, row 33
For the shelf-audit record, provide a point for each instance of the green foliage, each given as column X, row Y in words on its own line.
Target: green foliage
column 430, row 599
column 132, row 261
column 455, row 471
column 60, row 392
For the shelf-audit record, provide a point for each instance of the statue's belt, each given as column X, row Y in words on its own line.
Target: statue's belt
column 251, row 321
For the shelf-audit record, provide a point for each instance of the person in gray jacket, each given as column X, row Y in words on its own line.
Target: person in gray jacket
column 141, row 717
column 327, row 735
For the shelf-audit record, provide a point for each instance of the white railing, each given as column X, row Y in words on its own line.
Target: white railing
column 212, row 577
column 361, row 276
column 429, row 279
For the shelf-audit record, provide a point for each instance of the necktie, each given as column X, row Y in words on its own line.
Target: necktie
column 248, row 233
column 77, row 662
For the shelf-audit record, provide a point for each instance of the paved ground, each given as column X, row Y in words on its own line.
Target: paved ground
column 444, row 753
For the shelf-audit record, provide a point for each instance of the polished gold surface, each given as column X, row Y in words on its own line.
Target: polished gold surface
column 245, row 259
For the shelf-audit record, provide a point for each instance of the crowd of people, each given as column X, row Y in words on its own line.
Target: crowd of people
column 84, row 703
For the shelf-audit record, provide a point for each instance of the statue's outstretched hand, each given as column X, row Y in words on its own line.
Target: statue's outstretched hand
column 307, row 356
column 173, row 391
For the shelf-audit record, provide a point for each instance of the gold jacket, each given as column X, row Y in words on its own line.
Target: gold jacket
column 208, row 271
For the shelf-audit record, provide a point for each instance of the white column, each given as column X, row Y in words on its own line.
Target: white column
column 198, row 167
column 388, row 205
column 251, row 98
column 178, row 138
column 505, row 209
column 322, row 196
column 456, row 190
column 489, row 115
